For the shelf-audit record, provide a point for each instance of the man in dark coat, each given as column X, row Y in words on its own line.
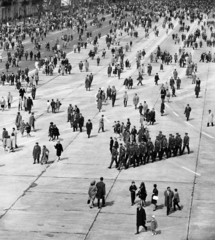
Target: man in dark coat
column 81, row 122
column 36, row 153
column 59, row 149
column 101, row 192
column 29, row 104
column 141, row 218
column 89, row 127
column 168, row 194
column 109, row 70
column 187, row 111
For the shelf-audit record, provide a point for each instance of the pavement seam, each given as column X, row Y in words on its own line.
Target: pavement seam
column 198, row 155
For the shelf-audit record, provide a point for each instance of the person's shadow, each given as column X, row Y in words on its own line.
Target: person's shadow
column 109, row 203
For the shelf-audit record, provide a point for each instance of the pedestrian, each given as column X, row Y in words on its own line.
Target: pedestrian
column 154, row 225
column 133, row 189
column 155, row 197
column 45, row 155
column 80, row 122
column 111, row 144
column 32, row 121
column 33, row 92
column 101, row 124
column 4, row 138
column 18, row 120
column 186, row 143
column 89, row 127
column 22, row 127
column 210, row 118
column 92, row 193
column 59, row 149
column 141, row 217
column 162, row 108
column 101, row 192
column 15, row 137
column 156, row 78
column 187, row 111
column 176, row 200
column 125, row 99
column 36, row 153
column 28, row 129
column 135, row 100
column 197, row 90
column 168, row 95
column 29, row 104
column 9, row 100
column 142, row 193
column 168, row 195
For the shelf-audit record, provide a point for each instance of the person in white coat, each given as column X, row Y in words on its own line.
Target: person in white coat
column 210, row 118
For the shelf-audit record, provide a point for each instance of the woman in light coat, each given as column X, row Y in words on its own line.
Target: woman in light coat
column 135, row 100
column 45, row 155
column 92, row 193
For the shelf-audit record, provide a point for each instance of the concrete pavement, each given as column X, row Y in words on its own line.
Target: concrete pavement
column 50, row 201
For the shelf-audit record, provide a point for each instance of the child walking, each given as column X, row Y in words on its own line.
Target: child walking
column 154, row 225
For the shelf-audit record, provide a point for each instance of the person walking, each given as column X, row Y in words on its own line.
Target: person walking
column 155, row 196
column 176, row 200
column 141, row 217
column 197, row 90
column 89, row 127
column 4, row 138
column 9, row 100
column 186, row 143
column 142, row 193
column 18, row 120
column 101, row 192
column 133, row 189
column 36, row 153
column 111, row 144
column 45, row 155
column 154, row 225
column 168, row 195
column 29, row 104
column 187, row 111
column 135, row 100
column 101, row 124
column 32, row 121
column 125, row 99
column 210, row 118
column 59, row 149
column 15, row 137
column 92, row 193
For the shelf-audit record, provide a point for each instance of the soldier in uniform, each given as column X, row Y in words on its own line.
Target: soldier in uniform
column 170, row 145
column 186, row 143
column 150, row 150
column 131, row 158
column 173, row 144
column 121, row 161
column 178, row 144
column 114, row 157
column 127, row 153
column 164, row 148
column 157, row 147
column 142, row 148
column 137, row 154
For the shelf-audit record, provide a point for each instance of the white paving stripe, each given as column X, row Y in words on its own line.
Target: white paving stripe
column 191, row 171
column 207, row 135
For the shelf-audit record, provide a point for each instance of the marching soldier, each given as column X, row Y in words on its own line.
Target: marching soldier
column 164, row 147
column 173, row 144
column 170, row 145
column 114, row 157
column 121, row 156
column 143, row 151
column 178, row 144
column 186, row 143
column 137, row 154
column 157, row 148
column 131, row 155
column 150, row 150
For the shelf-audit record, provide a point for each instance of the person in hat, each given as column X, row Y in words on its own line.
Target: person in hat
column 92, row 193
column 36, row 153
column 45, row 155
column 89, row 127
column 133, row 189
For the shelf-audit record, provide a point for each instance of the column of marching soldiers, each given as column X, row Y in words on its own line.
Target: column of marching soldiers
column 143, row 150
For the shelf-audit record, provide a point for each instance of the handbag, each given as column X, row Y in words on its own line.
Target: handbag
column 155, row 198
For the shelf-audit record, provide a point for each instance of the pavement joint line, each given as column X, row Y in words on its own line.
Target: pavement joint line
column 191, row 171
column 207, row 135
column 175, row 113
